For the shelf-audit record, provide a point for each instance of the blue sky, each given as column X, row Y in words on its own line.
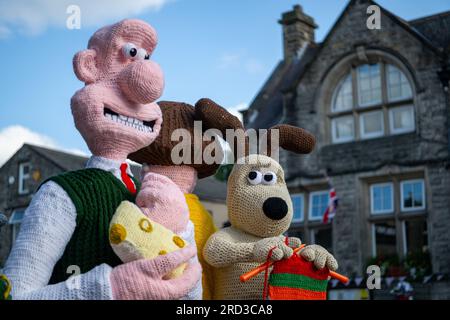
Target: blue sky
column 223, row 50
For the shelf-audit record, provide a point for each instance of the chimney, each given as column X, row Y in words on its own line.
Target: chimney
column 298, row 30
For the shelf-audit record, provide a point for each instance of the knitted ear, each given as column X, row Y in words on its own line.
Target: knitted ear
column 293, row 139
column 214, row 116
column 84, row 66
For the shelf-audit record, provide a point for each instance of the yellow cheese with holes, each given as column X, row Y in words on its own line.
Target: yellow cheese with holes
column 134, row 236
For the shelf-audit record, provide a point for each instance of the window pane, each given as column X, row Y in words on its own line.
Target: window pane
column 413, row 195
column 26, row 169
column 407, row 196
column 372, row 124
column 381, row 198
column 322, row 237
column 297, row 202
column 343, row 99
column 319, row 203
column 401, row 119
column 369, row 84
column 417, row 194
column 385, row 240
column 15, row 232
column 343, row 129
column 398, row 85
column 416, row 238
column 17, row 216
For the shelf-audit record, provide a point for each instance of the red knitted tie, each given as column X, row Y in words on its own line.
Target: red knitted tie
column 126, row 178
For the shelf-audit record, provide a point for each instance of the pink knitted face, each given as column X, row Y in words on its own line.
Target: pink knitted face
column 115, row 112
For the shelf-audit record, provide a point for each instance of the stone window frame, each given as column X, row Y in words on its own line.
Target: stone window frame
column 337, row 72
column 22, row 177
column 358, row 110
column 398, row 216
column 307, row 226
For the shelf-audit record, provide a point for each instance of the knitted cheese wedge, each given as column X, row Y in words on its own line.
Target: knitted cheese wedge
column 134, row 236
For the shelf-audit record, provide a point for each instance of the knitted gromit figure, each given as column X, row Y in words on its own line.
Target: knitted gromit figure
column 260, row 211
column 176, row 183
column 65, row 229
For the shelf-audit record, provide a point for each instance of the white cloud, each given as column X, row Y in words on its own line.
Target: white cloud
column 34, row 16
column 235, row 110
column 13, row 137
column 239, row 61
column 228, row 60
column 4, row 32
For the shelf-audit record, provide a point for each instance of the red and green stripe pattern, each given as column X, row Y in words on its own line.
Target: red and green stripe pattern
column 297, row 279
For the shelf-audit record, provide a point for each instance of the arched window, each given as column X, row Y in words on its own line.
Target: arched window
column 371, row 100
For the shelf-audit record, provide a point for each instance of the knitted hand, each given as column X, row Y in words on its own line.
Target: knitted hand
column 161, row 200
column 144, row 279
column 294, row 242
column 262, row 248
column 320, row 256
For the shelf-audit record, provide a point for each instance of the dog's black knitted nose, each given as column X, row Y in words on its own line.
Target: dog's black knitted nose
column 275, row 208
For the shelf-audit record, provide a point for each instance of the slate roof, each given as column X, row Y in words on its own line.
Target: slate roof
column 436, row 28
column 63, row 160
column 269, row 100
column 432, row 30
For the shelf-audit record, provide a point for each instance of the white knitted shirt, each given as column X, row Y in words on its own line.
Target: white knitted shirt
column 47, row 227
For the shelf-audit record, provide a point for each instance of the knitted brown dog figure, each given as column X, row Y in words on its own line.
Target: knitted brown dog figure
column 260, row 211
column 178, row 115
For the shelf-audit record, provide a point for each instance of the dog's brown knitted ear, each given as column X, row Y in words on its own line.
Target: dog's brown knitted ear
column 293, row 139
column 214, row 116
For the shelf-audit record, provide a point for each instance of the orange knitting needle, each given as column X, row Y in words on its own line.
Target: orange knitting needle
column 247, row 276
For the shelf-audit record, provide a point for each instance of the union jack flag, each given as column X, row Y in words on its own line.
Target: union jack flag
column 332, row 206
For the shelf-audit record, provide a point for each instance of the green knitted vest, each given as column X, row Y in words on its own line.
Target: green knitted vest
column 96, row 194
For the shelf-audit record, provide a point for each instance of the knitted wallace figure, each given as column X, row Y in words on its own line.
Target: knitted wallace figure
column 176, row 183
column 260, row 211
column 65, row 228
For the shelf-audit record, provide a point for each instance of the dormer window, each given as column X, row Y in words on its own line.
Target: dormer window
column 370, row 101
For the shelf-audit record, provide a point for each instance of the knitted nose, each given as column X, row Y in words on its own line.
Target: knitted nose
column 142, row 81
column 275, row 208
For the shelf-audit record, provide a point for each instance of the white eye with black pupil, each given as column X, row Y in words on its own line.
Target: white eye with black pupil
column 269, row 178
column 254, row 177
column 141, row 54
column 130, row 50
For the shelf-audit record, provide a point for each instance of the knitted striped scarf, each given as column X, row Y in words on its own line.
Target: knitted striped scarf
column 297, row 279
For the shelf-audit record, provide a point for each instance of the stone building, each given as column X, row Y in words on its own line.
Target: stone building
column 31, row 165
column 377, row 101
